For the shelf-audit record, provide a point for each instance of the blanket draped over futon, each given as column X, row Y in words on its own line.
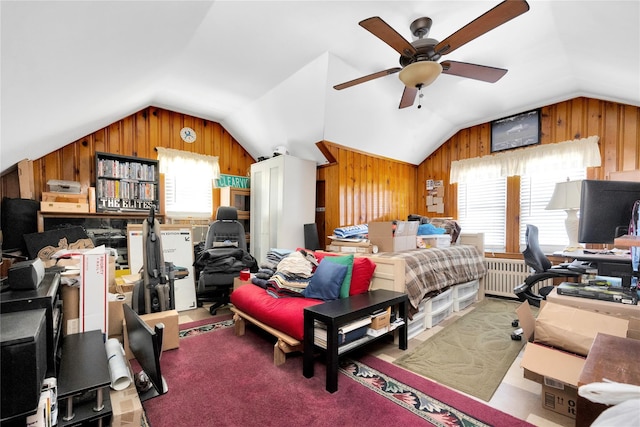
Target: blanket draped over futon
column 434, row 269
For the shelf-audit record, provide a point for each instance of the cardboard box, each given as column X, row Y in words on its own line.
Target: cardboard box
column 116, row 313
column 126, row 407
column 381, row 320
column 381, row 234
column 351, row 249
column 170, row 338
column 574, row 330
column 558, row 369
column 64, row 207
column 70, row 309
column 94, row 284
column 50, row 196
column 121, row 285
column 436, row 240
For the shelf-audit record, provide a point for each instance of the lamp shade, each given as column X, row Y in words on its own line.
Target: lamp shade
column 566, row 195
column 421, row 73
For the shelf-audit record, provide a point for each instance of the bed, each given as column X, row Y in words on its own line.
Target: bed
column 422, row 272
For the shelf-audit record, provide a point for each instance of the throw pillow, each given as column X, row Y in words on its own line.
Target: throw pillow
column 326, row 281
column 362, row 272
column 343, row 260
column 363, row 269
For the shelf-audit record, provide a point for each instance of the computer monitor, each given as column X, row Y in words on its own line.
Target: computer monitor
column 605, row 209
column 146, row 345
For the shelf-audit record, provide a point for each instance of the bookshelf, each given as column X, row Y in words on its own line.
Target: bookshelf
column 126, row 184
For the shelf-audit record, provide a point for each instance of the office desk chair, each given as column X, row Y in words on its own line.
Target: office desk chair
column 224, row 255
column 542, row 269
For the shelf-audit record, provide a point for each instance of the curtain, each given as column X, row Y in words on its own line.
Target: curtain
column 199, row 164
column 579, row 153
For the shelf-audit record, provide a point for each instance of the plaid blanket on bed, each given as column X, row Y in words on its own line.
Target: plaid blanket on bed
column 433, row 269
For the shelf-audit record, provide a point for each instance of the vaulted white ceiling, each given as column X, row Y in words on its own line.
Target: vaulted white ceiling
column 265, row 69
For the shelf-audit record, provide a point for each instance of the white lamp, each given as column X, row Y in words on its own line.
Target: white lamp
column 566, row 196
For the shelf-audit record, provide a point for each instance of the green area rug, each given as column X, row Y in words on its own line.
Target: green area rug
column 473, row 353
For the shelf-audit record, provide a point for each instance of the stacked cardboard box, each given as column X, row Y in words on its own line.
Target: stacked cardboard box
column 403, row 238
column 559, row 340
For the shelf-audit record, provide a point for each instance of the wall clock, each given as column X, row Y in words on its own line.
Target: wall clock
column 187, row 134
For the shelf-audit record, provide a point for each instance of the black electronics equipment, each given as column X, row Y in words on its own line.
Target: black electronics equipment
column 146, row 345
column 604, row 207
column 26, row 274
column 23, row 361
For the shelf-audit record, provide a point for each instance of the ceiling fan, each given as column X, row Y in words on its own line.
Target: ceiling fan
column 418, row 58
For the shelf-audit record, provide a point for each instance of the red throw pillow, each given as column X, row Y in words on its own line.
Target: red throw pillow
column 361, row 275
column 363, row 269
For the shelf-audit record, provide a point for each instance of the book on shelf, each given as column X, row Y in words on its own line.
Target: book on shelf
column 346, row 333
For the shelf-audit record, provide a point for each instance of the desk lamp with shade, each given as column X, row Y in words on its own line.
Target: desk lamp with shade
column 566, row 196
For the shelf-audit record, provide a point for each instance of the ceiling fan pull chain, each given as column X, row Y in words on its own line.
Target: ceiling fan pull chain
column 420, row 95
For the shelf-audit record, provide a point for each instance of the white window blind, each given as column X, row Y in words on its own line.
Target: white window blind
column 482, row 208
column 535, row 193
column 189, row 179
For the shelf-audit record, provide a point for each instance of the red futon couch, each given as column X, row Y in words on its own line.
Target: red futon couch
column 283, row 317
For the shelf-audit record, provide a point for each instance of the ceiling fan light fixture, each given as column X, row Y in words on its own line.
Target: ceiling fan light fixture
column 421, row 73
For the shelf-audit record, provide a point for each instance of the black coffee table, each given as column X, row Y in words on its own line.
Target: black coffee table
column 335, row 314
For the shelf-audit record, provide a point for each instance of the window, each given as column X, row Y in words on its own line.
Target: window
column 482, row 208
column 188, row 182
column 535, row 193
column 482, row 198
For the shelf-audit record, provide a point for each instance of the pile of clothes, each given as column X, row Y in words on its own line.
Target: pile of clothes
column 286, row 273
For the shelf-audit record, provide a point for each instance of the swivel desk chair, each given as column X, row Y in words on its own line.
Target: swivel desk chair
column 224, row 251
column 542, row 270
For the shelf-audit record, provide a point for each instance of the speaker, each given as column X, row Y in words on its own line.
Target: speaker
column 311, row 240
column 23, row 361
column 26, row 274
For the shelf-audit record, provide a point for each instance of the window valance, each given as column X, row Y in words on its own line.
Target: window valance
column 206, row 167
column 578, row 153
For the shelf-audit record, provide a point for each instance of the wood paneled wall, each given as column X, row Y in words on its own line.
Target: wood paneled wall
column 617, row 125
column 358, row 187
column 361, row 187
column 138, row 135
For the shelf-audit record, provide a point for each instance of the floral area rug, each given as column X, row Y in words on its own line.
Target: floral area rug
column 416, row 401
column 427, row 407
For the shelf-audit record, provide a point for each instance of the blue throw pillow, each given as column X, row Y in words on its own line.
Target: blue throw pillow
column 343, row 260
column 326, row 281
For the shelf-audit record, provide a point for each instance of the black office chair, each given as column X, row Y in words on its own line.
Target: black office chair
column 542, row 270
column 223, row 257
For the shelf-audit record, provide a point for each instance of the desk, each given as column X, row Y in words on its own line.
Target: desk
column 339, row 312
column 607, row 265
column 610, row 357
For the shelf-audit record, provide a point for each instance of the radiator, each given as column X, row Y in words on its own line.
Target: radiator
column 503, row 275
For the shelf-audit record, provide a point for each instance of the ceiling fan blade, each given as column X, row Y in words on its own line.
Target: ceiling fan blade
column 408, row 97
column 367, row 78
column 387, row 34
column 473, row 71
column 495, row 17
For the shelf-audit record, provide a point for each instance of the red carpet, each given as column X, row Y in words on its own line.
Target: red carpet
column 216, row 378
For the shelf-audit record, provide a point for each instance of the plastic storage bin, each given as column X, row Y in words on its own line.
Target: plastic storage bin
column 434, row 304
column 463, row 290
column 433, row 318
column 416, row 325
column 462, row 303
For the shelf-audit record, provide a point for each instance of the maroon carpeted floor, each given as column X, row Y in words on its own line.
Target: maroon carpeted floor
column 216, row 378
